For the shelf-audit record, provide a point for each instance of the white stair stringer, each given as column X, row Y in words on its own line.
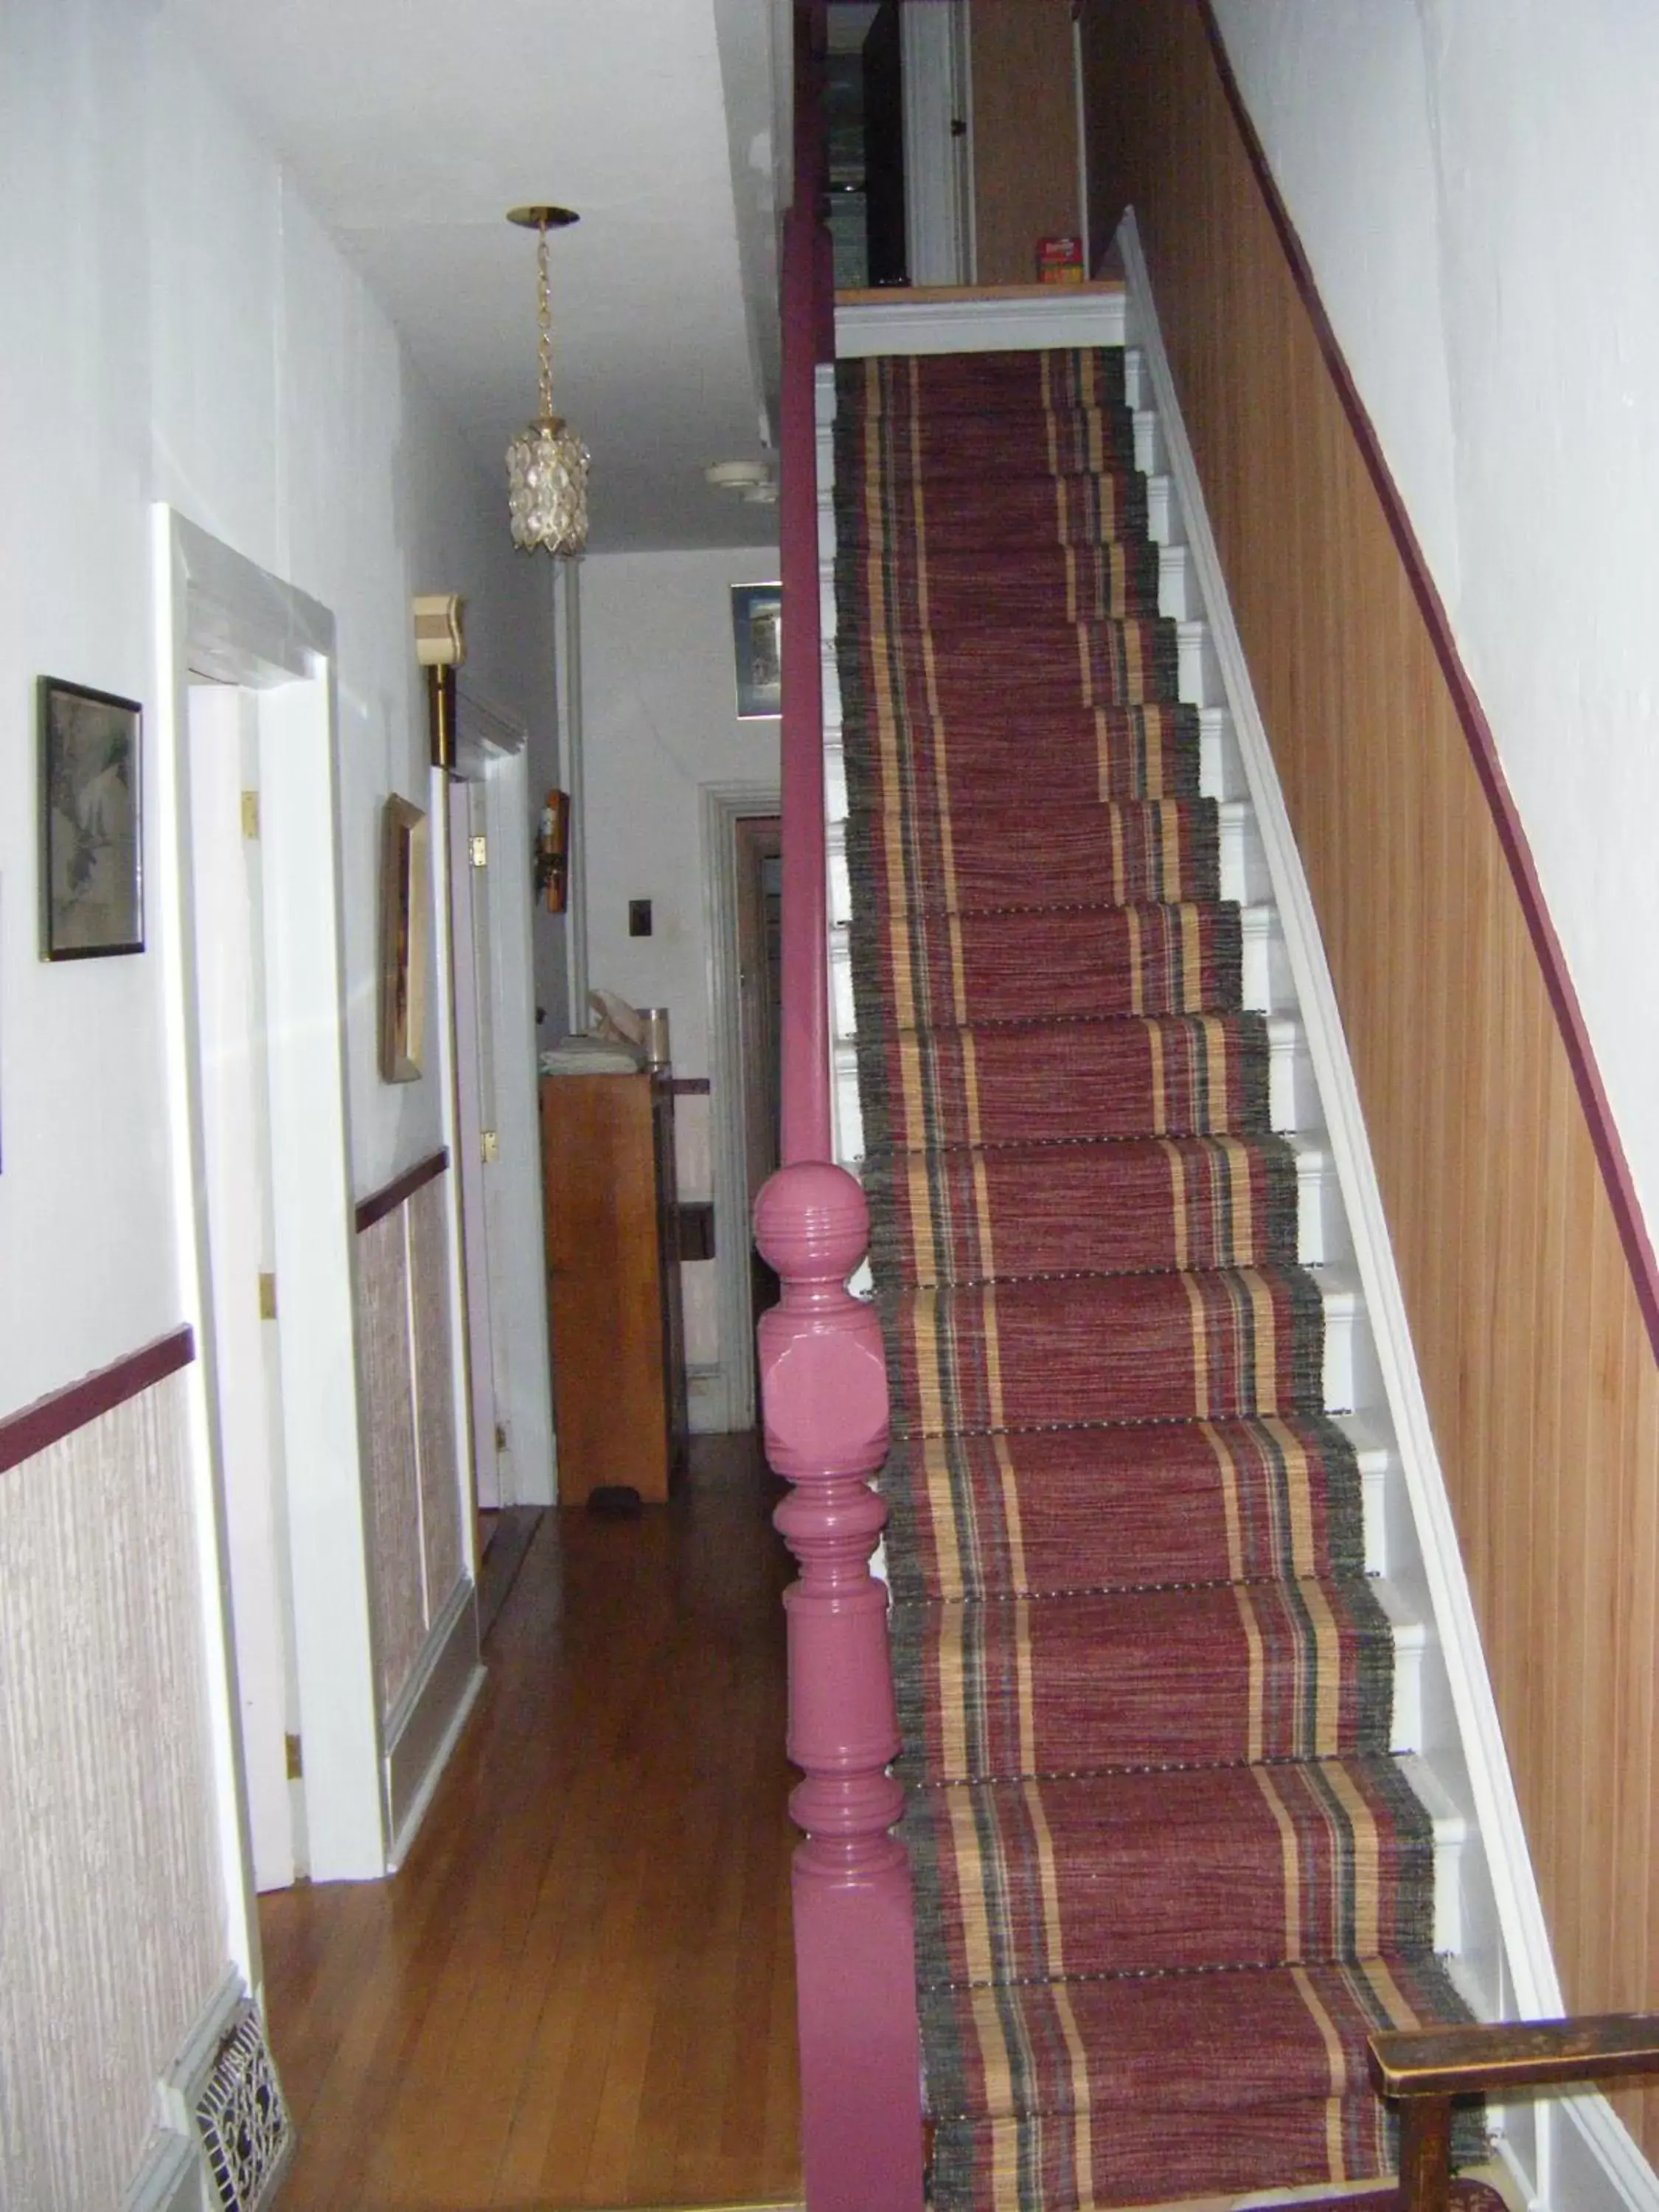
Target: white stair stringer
column 1572, row 2152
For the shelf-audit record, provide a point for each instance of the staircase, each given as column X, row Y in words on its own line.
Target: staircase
column 1170, row 1872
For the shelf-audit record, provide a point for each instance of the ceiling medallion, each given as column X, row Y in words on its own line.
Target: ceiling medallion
column 547, row 463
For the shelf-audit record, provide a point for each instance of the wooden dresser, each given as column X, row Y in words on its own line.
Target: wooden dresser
column 613, row 1282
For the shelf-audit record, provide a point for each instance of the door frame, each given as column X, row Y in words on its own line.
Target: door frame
column 492, row 753
column 721, row 806
column 221, row 616
column 938, row 165
column 222, row 907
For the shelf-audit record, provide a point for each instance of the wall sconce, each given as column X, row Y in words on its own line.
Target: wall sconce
column 550, row 853
column 440, row 647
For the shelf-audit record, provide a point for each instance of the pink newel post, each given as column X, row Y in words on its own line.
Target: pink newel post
column 824, row 1389
column 824, row 1395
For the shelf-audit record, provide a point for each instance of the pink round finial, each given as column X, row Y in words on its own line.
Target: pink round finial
column 812, row 1223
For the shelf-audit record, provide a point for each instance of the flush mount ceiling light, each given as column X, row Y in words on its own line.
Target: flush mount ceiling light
column 752, row 481
column 547, row 464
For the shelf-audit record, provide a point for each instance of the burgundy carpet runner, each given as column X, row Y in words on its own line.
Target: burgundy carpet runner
column 1167, row 1876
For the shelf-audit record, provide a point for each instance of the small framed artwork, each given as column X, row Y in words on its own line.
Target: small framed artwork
column 91, row 882
column 403, row 904
column 757, row 637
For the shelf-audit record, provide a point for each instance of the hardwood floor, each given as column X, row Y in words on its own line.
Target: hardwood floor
column 579, row 1990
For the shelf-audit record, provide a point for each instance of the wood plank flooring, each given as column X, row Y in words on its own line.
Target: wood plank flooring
column 579, row 1990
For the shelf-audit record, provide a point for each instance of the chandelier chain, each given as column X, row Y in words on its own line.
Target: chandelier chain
column 544, row 308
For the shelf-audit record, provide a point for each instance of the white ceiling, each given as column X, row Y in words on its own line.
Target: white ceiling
column 412, row 126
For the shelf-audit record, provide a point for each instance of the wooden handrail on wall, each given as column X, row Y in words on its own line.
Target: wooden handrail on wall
column 1424, row 2073
column 823, row 1387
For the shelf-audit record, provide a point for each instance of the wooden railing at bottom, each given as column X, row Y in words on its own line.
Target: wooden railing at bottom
column 1425, row 2072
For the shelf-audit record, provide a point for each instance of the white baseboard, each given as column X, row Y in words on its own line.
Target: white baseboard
column 173, row 2174
column 707, row 1402
column 170, row 2178
column 1594, row 2163
column 425, row 1722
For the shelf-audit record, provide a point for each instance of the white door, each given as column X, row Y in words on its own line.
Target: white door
column 245, row 1377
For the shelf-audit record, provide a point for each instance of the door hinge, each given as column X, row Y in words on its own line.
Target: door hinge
column 490, row 1145
column 267, row 1297
column 501, row 1436
column 296, row 1765
column 250, row 814
column 480, row 851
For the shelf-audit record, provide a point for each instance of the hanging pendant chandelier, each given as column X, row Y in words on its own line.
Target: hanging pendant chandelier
column 547, row 463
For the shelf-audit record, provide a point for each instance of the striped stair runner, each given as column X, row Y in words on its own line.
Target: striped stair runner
column 1167, row 1876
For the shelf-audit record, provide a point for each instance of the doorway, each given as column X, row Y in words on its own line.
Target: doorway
column 863, row 112
column 497, row 1116
column 899, row 113
column 742, row 871
column 760, row 1010
column 227, row 917
column 263, row 1173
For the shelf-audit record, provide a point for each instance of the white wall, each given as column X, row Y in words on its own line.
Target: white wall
column 1476, row 185
column 182, row 330
column 660, row 717
column 179, row 329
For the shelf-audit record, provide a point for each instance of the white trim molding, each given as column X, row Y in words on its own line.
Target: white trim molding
column 912, row 322
column 219, row 615
column 426, row 1720
column 936, row 193
column 728, row 1394
column 493, row 753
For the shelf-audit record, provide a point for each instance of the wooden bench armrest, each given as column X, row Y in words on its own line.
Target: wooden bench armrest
column 1526, row 2054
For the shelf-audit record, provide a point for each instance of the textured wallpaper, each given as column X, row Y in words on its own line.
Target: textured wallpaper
column 396, row 1573
column 112, row 1911
column 434, row 1388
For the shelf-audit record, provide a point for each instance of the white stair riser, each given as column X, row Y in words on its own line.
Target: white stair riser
column 1163, row 511
column 1409, row 1639
column 1177, row 593
column 1220, row 769
column 1149, row 443
column 1451, row 1832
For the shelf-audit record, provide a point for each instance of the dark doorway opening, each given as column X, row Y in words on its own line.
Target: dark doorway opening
column 864, row 110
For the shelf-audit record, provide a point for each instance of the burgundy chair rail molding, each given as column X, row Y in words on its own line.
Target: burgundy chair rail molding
column 49, row 1420
column 376, row 1207
column 824, row 1389
column 1482, row 749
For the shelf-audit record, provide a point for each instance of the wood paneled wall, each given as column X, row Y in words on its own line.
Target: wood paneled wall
column 1537, row 1364
column 1025, row 150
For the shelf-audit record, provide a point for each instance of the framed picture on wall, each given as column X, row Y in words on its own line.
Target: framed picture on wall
column 756, row 638
column 403, row 904
column 92, row 886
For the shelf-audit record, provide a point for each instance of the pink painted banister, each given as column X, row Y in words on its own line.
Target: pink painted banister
column 805, row 1046
column 824, row 1392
